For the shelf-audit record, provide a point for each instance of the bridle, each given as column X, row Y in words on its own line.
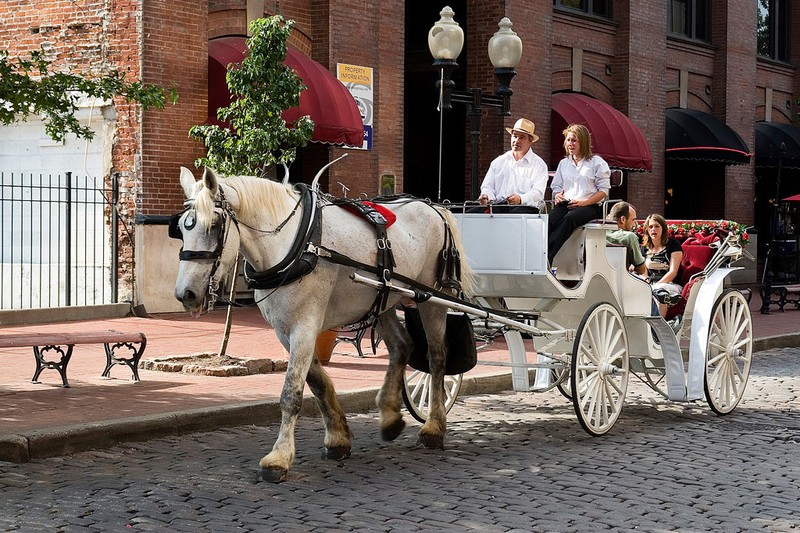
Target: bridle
column 225, row 216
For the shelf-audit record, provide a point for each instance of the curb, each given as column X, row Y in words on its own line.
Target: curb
column 789, row 340
column 66, row 440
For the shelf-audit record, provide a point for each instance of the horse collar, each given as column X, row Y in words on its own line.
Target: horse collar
column 299, row 261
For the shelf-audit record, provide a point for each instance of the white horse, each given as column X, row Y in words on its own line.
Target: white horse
column 261, row 218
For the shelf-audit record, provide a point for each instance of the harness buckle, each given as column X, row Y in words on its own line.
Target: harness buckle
column 213, row 286
column 381, row 243
column 386, row 275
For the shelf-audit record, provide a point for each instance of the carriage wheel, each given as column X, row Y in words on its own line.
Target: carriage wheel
column 599, row 373
column 561, row 377
column 729, row 352
column 417, row 393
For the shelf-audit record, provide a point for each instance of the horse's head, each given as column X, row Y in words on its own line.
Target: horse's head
column 210, row 236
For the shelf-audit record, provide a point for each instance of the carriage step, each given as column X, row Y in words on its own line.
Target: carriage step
column 673, row 361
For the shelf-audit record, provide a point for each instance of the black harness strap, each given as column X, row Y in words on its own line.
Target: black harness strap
column 449, row 263
column 385, row 259
column 300, row 260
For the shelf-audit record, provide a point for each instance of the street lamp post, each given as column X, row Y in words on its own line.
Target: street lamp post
column 445, row 40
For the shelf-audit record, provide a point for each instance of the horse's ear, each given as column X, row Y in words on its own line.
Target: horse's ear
column 210, row 180
column 188, row 182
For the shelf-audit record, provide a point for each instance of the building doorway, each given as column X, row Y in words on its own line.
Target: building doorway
column 421, row 143
column 694, row 190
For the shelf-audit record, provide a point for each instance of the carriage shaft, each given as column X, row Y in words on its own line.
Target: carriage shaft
column 463, row 307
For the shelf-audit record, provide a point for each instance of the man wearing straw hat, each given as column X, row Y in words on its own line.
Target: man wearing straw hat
column 516, row 180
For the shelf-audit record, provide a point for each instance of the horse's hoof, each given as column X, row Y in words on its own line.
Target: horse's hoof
column 337, row 453
column 274, row 474
column 393, row 431
column 432, row 442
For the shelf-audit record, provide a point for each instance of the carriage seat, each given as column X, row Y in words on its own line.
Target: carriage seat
column 695, row 258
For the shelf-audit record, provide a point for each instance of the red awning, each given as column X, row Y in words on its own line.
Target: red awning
column 614, row 137
column 329, row 104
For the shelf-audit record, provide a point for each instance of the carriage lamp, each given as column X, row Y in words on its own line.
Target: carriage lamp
column 445, row 40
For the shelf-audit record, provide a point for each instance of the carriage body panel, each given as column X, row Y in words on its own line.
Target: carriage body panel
column 508, row 253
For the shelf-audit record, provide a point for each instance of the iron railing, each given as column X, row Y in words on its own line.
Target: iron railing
column 57, row 241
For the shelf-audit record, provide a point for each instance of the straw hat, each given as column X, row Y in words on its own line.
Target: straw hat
column 524, row 125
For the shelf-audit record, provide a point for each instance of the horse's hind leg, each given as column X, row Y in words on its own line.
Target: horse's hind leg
column 337, row 433
column 389, row 399
column 434, row 318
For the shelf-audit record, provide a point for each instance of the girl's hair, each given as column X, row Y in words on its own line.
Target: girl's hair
column 584, row 138
column 661, row 222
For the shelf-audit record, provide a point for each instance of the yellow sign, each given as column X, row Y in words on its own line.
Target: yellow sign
column 354, row 74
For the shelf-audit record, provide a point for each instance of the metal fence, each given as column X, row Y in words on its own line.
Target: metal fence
column 57, row 241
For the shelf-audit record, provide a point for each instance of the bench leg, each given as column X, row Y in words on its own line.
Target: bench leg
column 61, row 365
column 783, row 300
column 136, row 350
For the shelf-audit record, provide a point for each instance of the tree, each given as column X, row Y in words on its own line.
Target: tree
column 28, row 87
column 262, row 87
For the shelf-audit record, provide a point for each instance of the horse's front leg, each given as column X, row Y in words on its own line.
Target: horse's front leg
column 338, row 438
column 275, row 465
column 389, row 399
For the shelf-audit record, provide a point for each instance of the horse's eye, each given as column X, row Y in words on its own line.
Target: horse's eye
column 189, row 221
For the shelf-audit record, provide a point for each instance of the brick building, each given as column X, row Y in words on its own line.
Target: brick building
column 731, row 61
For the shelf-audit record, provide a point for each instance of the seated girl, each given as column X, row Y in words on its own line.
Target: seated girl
column 662, row 257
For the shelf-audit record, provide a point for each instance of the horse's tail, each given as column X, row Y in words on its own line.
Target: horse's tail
column 467, row 275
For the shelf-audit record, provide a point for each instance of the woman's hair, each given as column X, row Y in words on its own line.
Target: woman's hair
column 661, row 222
column 584, row 138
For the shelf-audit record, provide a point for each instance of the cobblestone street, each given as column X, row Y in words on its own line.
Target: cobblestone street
column 513, row 462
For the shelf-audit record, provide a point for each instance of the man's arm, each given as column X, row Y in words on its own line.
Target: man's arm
column 535, row 195
column 488, row 186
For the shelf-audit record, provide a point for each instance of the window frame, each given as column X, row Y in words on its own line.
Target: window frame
column 693, row 8
column 778, row 26
column 587, row 7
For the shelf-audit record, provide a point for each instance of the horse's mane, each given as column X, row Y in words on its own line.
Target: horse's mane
column 256, row 196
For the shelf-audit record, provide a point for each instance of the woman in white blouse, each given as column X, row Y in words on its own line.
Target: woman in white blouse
column 580, row 184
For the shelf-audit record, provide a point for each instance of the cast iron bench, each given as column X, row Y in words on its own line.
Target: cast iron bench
column 63, row 343
column 785, row 294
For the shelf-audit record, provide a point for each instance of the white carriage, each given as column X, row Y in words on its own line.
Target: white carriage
column 593, row 324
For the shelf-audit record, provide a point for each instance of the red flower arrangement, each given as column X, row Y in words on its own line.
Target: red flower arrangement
column 701, row 231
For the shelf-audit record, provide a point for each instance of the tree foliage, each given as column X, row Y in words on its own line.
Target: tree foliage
column 28, row 87
column 262, row 87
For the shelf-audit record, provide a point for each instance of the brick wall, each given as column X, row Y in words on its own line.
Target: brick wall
column 166, row 43
column 174, row 53
column 734, row 96
column 639, row 90
column 794, row 103
column 481, row 24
